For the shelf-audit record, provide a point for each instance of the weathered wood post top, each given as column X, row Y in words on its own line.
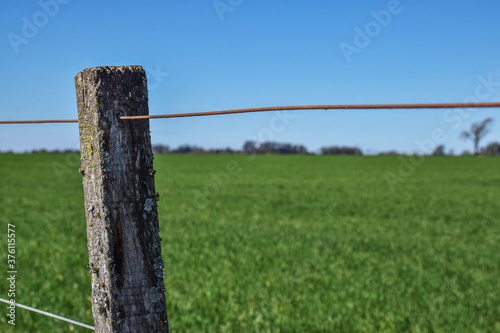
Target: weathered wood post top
column 124, row 246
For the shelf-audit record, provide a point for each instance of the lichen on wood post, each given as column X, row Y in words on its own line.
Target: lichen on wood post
column 124, row 246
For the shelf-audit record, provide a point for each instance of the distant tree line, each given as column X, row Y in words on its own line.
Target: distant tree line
column 54, row 151
column 341, row 151
column 188, row 149
column 269, row 147
column 252, row 147
column 493, row 149
column 277, row 148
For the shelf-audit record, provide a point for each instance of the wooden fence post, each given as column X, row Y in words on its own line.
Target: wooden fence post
column 125, row 261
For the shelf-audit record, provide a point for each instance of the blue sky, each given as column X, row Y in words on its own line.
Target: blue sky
column 225, row 54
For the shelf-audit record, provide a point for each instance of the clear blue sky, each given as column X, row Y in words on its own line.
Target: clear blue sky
column 225, row 54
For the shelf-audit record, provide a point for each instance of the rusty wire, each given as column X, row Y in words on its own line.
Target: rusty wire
column 39, row 121
column 282, row 108
column 321, row 107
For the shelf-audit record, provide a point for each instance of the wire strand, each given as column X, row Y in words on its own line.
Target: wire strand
column 321, row 107
column 39, row 121
column 49, row 314
column 282, row 108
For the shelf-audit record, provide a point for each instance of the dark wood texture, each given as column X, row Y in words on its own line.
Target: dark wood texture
column 124, row 246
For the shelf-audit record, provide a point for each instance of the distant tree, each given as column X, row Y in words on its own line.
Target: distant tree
column 493, row 149
column 226, row 151
column 71, row 151
column 390, row 152
column 160, row 149
column 477, row 132
column 341, row 151
column 300, row 149
column 439, row 151
column 249, row 147
column 187, row 149
column 466, row 153
column 270, row 147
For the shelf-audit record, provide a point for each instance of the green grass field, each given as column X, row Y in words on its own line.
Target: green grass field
column 278, row 244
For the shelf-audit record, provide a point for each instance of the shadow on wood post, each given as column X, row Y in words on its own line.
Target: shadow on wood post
column 125, row 262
